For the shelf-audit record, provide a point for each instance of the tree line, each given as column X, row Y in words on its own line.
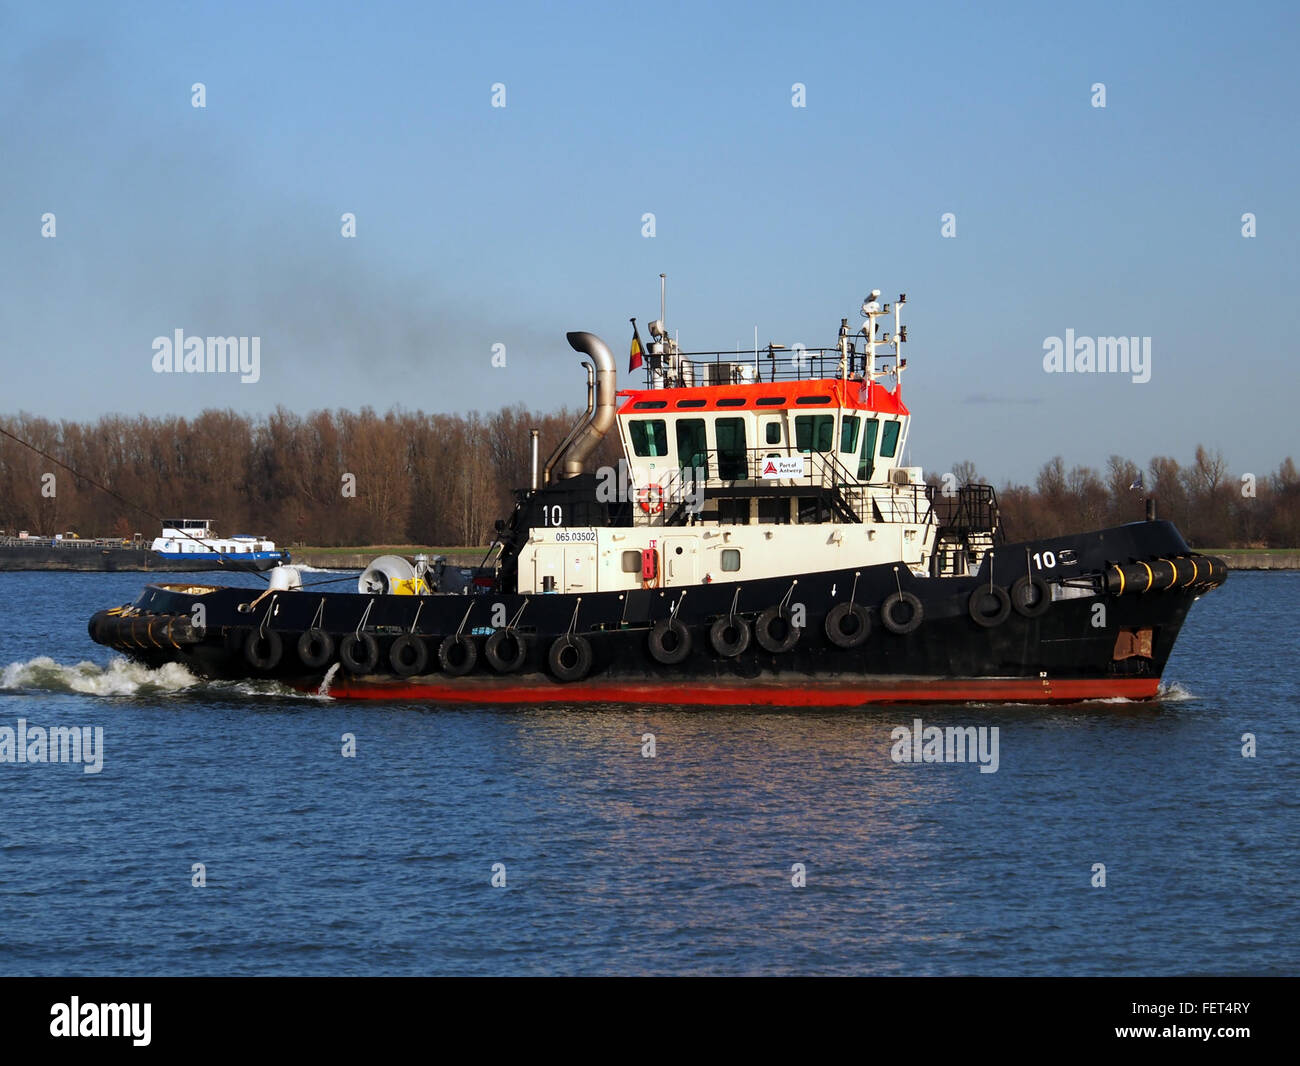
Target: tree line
column 332, row 478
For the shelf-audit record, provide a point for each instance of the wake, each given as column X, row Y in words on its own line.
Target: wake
column 122, row 677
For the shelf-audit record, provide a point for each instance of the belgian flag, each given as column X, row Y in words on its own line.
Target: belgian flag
column 634, row 359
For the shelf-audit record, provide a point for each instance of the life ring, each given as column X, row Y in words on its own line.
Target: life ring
column 855, row 633
column 570, row 657
column 315, row 648
column 408, row 655
column 989, row 605
column 767, row 640
column 457, row 654
column 353, row 662
column 651, row 499
column 908, row 600
column 730, row 647
column 263, row 649
column 516, row 651
column 1030, row 596
column 670, row 641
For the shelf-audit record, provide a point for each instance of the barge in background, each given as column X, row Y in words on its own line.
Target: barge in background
column 760, row 543
column 187, row 545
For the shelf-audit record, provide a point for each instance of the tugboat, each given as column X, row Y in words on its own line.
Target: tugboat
column 760, row 543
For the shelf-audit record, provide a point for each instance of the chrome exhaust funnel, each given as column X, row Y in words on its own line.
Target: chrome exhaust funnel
column 601, row 409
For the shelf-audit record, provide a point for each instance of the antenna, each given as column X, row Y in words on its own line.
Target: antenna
column 663, row 296
column 900, row 337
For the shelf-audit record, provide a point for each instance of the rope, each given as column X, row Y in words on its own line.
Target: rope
column 573, row 624
column 676, row 606
column 364, row 618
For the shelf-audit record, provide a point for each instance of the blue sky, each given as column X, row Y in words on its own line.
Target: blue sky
column 479, row 225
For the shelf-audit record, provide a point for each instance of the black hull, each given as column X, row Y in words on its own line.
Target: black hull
column 1066, row 652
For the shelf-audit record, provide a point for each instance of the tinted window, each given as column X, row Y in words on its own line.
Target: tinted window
column 867, row 463
column 730, row 559
column 733, row 463
column 773, row 433
column 649, row 436
column 889, row 439
column 692, row 447
column 849, row 434
column 814, row 432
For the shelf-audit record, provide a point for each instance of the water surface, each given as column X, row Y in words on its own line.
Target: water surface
column 616, row 863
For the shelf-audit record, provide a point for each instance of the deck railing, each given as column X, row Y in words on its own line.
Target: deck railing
column 741, row 368
column 726, row 473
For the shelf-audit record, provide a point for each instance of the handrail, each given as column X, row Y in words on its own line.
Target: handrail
column 710, row 368
column 71, row 543
column 864, row 500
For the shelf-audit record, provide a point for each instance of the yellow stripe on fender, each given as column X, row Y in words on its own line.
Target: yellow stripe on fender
column 1120, row 570
column 1195, row 571
column 1151, row 578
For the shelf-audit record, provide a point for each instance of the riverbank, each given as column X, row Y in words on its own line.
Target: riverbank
column 1258, row 558
column 358, row 558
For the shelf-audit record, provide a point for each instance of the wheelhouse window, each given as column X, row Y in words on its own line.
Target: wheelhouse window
column 733, row 460
column 889, row 439
column 849, row 434
column 867, row 460
column 692, row 445
column 814, row 433
column 649, row 436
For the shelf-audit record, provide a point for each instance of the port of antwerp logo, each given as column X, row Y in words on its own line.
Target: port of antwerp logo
column 778, row 466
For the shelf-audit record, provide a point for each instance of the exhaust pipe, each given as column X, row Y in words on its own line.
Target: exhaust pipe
column 601, row 407
column 574, row 429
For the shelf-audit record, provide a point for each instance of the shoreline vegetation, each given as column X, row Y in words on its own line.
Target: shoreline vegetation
column 341, row 478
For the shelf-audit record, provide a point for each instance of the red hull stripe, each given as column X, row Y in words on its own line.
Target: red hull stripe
column 816, row 694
